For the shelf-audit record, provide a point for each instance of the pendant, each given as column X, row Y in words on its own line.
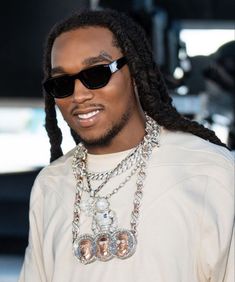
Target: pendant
column 87, row 206
column 105, row 246
column 84, row 249
column 104, row 219
column 103, row 243
column 123, row 243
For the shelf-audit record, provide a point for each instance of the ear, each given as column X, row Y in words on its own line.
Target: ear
column 137, row 95
column 135, row 88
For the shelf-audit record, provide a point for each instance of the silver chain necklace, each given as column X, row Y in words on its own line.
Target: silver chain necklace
column 124, row 165
column 109, row 241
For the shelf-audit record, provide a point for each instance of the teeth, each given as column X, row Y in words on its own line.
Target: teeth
column 88, row 115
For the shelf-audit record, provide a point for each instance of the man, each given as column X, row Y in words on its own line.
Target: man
column 102, row 251
column 86, row 249
column 167, row 180
column 122, row 244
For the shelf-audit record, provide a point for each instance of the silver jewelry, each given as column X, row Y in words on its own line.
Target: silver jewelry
column 108, row 240
column 124, row 165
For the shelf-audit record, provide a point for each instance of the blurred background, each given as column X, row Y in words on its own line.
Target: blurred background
column 193, row 43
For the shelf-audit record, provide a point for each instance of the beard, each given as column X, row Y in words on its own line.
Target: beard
column 108, row 136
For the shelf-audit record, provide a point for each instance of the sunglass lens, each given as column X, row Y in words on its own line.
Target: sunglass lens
column 95, row 77
column 60, row 87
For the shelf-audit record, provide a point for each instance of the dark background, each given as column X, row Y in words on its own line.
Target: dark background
column 24, row 25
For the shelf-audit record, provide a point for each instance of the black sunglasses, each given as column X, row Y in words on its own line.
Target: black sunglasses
column 93, row 78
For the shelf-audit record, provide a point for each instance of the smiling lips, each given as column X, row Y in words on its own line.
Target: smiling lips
column 88, row 119
column 88, row 115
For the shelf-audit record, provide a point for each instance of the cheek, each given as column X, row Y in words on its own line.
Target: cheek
column 117, row 100
column 119, row 92
column 63, row 107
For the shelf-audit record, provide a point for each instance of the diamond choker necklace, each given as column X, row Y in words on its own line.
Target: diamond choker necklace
column 107, row 240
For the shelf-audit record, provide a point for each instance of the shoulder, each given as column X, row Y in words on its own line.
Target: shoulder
column 60, row 167
column 55, row 178
column 184, row 155
column 191, row 145
column 180, row 147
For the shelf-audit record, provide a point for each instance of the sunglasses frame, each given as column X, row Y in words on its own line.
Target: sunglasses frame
column 113, row 67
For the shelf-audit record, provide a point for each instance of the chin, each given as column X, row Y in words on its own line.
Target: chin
column 107, row 137
column 100, row 141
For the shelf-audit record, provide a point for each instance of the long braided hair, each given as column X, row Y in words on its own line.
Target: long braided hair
column 152, row 91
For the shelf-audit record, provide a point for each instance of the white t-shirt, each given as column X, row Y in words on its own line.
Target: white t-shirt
column 185, row 225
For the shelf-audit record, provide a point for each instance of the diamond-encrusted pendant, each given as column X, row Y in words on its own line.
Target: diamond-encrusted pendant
column 84, row 249
column 105, row 246
column 124, row 243
column 104, row 219
column 87, row 206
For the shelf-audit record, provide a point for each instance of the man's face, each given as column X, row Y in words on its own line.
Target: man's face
column 122, row 243
column 108, row 117
column 103, row 245
column 85, row 247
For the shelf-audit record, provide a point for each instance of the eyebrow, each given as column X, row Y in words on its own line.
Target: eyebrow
column 57, row 70
column 102, row 57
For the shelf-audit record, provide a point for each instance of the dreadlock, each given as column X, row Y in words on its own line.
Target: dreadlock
column 152, row 91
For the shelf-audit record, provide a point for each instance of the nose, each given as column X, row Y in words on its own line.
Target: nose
column 81, row 94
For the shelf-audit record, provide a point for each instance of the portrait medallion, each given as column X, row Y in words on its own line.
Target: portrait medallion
column 123, row 243
column 84, row 249
column 103, row 247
